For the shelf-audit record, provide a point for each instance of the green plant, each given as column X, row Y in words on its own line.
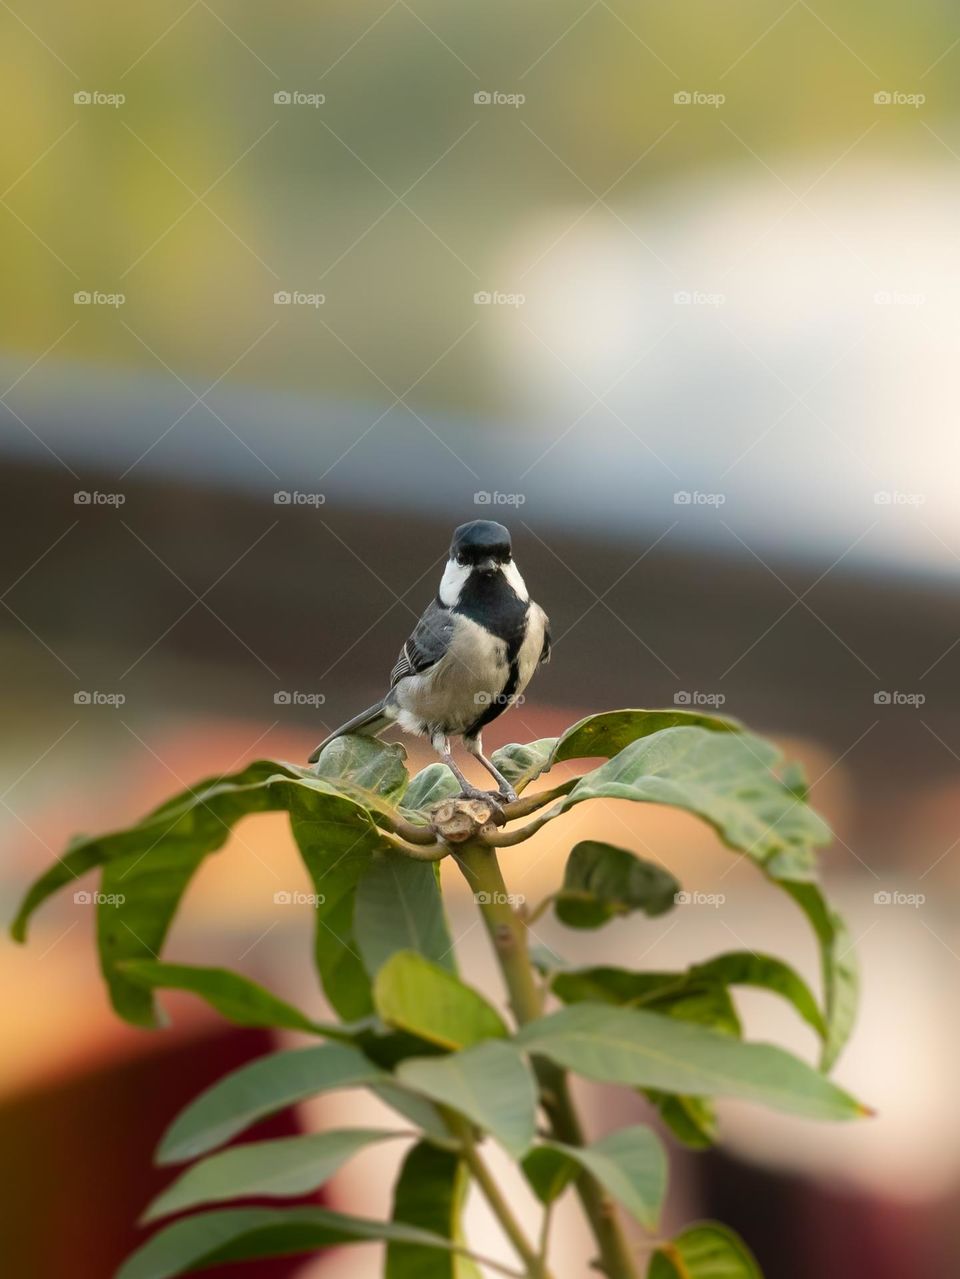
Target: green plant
column 433, row 1048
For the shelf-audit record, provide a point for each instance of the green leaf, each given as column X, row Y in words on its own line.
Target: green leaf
column 398, row 907
column 428, row 787
column 838, row 962
column 647, row 1050
column 631, row 1165
column 285, row 1167
column 702, row 987
column 601, row 881
column 745, row 968
column 608, row 733
column 597, row 735
column 337, row 841
column 147, row 868
column 795, row 779
column 364, row 766
column 140, row 896
column 243, row 1234
column 697, row 995
column 238, row 999
column 706, row 1251
column 703, row 1003
column 429, row 1192
column 418, row 996
column 261, row 1088
column 523, row 763
column 421, row 1113
column 691, row 1119
column 725, row 778
column 231, row 786
column 549, row 1172
column 673, row 994
column 490, row 1084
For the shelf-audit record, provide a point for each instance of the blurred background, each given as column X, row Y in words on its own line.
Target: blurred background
column 670, row 290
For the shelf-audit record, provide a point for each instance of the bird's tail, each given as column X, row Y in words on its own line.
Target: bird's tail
column 368, row 724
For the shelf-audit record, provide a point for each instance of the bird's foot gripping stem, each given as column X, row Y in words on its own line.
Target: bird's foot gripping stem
column 466, row 817
column 492, row 798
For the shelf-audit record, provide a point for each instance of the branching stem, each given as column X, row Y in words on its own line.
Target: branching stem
column 531, row 1258
column 507, row 838
column 508, row 932
column 527, row 803
column 433, row 852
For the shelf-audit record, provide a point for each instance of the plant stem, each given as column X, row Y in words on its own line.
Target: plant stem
column 508, row 932
column 531, row 801
column 534, row 1263
column 506, row 838
column 615, row 1252
column 421, row 852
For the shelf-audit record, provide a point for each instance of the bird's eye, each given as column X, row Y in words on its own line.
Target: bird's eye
column 507, row 557
column 461, row 559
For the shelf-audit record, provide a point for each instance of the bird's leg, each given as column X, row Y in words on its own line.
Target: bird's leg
column 504, row 789
column 442, row 746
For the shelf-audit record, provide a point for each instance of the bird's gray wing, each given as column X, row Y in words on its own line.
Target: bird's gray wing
column 428, row 643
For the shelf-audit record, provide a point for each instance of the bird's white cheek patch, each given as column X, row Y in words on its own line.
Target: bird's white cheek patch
column 452, row 583
column 512, row 575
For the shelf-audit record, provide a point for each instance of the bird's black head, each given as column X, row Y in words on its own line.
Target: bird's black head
column 481, row 544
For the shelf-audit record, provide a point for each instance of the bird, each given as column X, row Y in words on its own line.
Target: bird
column 469, row 658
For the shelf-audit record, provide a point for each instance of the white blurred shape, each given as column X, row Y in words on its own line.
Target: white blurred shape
column 824, row 375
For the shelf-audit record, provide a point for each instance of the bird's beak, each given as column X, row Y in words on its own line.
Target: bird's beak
column 489, row 565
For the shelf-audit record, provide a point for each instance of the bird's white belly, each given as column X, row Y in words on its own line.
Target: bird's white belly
column 528, row 659
column 454, row 693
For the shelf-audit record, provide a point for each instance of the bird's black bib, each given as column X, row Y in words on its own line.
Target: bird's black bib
column 494, row 604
